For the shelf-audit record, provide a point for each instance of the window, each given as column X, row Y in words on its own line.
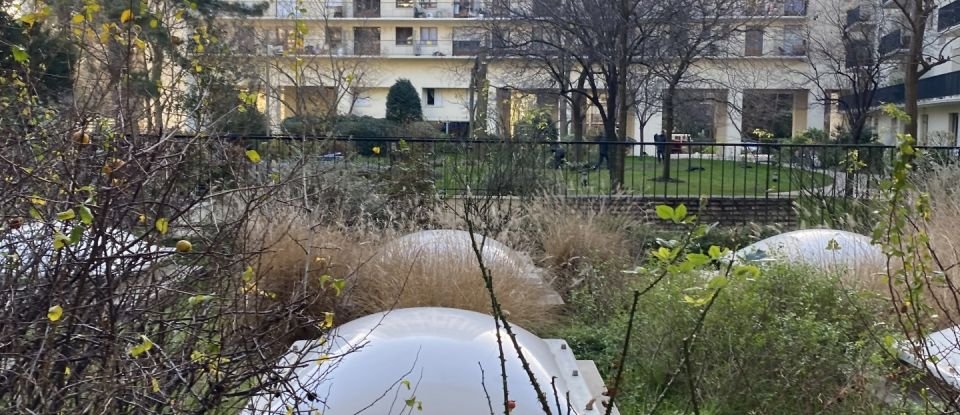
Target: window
column 954, row 121
column 404, row 35
column 924, row 129
column 431, row 97
column 334, row 36
column 754, row 44
column 404, row 4
column 428, row 4
column 428, row 36
column 287, row 8
column 793, row 44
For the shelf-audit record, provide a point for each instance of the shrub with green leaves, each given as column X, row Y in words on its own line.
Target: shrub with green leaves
column 790, row 340
column 403, row 103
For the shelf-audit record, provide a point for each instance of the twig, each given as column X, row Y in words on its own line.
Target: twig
column 623, row 352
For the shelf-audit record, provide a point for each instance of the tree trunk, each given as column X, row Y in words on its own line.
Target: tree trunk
column 668, row 110
column 614, row 152
column 910, row 93
column 618, row 158
column 577, row 113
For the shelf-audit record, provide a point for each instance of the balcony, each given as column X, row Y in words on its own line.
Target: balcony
column 948, row 16
column 893, row 42
column 785, row 8
column 858, row 55
column 373, row 48
column 934, row 87
column 857, row 16
column 365, row 9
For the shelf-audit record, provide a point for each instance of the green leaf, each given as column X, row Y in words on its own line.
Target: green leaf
column 76, row 233
column 338, row 285
column 406, row 383
column 715, row 252
column 198, row 299
column 665, row 212
column 411, row 402
column 60, row 240
column 717, row 282
column 154, row 23
column 253, row 156
column 144, row 346
column 20, row 54
column 680, row 213
column 66, row 215
column 154, row 385
column 54, row 313
column 162, row 225
column 35, row 214
column 85, row 215
column 248, row 274
column 749, row 271
column 698, row 259
column 833, row 245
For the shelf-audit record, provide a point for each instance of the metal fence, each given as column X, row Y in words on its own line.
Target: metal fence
column 578, row 169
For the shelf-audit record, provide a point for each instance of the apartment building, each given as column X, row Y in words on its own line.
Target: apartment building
column 343, row 55
column 938, row 90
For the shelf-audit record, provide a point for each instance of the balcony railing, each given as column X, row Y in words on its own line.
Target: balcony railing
column 324, row 9
column 776, row 8
column 948, row 16
column 893, row 42
column 366, row 48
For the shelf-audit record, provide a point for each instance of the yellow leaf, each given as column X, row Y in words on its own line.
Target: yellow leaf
column 327, row 321
column 154, row 23
column 162, row 224
column 323, row 358
column 155, row 384
column 144, row 346
column 54, row 313
column 248, row 274
column 142, row 218
column 126, row 16
column 66, row 371
column 36, row 200
column 376, row 150
column 60, row 240
column 253, row 156
column 77, row 18
column 139, row 43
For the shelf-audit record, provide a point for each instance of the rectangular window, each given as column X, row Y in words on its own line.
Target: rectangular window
column 428, row 36
column 754, row 43
column 954, row 121
column 428, row 4
column 793, row 43
column 334, row 38
column 924, row 129
column 404, row 4
column 404, row 35
column 431, row 97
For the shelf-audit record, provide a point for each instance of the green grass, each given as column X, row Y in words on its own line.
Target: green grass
column 690, row 178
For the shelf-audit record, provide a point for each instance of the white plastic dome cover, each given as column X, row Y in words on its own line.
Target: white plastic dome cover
column 432, row 356
column 31, row 245
column 818, row 247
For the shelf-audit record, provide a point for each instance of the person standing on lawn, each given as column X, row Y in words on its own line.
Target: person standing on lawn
column 604, row 151
column 661, row 143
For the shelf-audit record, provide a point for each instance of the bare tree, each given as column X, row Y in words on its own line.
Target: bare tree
column 922, row 45
column 585, row 51
column 692, row 33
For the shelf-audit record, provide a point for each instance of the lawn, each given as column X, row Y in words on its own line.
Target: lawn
column 689, row 178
